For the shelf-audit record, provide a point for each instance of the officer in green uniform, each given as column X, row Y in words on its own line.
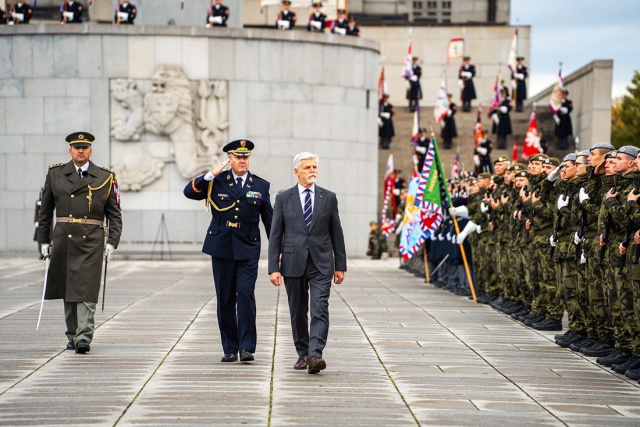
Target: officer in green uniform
column 83, row 195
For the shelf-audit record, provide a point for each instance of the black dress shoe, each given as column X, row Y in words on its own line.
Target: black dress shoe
column 597, row 350
column 83, row 347
column 229, row 357
column 316, row 364
column 632, row 363
column 246, row 356
column 618, row 357
column 547, row 325
column 71, row 345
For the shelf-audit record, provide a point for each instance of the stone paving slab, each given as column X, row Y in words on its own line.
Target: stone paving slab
column 400, row 352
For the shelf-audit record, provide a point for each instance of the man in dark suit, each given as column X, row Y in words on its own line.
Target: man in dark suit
column 238, row 200
column 307, row 249
column 82, row 196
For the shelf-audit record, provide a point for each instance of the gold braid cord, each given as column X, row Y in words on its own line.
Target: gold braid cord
column 209, row 201
column 92, row 189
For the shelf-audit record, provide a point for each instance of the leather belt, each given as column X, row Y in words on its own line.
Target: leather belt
column 79, row 221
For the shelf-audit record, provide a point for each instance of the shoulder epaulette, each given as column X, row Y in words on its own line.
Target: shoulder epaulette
column 55, row 165
column 107, row 169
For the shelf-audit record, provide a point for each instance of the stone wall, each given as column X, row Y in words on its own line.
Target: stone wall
column 590, row 90
column 287, row 91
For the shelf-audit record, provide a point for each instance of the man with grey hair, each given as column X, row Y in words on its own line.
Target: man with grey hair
column 306, row 249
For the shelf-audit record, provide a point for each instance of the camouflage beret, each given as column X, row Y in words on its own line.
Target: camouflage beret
column 602, row 145
column 501, row 159
column 629, row 150
column 485, row 175
column 538, row 158
column 571, row 157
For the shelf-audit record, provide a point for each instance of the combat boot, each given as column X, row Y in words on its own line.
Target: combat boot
column 547, row 325
column 631, row 364
column 534, row 319
column 598, row 349
column 634, row 374
column 618, row 357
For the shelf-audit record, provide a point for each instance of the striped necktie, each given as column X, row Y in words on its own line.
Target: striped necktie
column 307, row 211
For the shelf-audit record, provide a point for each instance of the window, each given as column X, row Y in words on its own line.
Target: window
column 446, row 5
column 417, row 14
column 446, row 21
column 446, row 13
column 417, row 5
column 431, row 13
column 432, row 4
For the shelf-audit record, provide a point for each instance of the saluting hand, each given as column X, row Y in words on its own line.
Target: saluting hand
column 218, row 169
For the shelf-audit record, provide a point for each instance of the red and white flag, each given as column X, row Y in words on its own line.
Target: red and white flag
column 382, row 85
column 455, row 168
column 389, row 208
column 555, row 102
column 477, row 127
column 455, row 49
column 495, row 100
column 532, row 139
column 442, row 103
column 407, row 71
column 514, row 153
column 513, row 53
column 415, row 130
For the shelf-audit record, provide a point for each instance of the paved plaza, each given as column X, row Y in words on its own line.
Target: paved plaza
column 400, row 352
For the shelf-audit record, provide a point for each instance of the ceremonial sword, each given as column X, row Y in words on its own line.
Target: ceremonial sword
column 44, row 288
column 106, row 263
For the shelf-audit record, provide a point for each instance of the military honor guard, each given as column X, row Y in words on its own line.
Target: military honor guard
column 286, row 17
column 414, row 90
column 501, row 125
column 386, row 131
column 307, row 251
column 341, row 23
column 218, row 15
column 564, row 127
column 87, row 230
column 317, row 19
column 3, row 16
column 71, row 12
column 448, row 124
column 125, row 13
column 21, row 14
column 519, row 76
column 352, row 28
column 238, row 201
column 465, row 80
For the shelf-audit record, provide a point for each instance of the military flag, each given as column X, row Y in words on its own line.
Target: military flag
column 514, row 153
column 512, row 63
column 455, row 167
column 415, row 130
column 455, row 49
column 387, row 223
column 555, row 102
column 423, row 211
column 495, row 100
column 442, row 103
column 477, row 127
column 532, row 139
column 382, row 85
column 407, row 71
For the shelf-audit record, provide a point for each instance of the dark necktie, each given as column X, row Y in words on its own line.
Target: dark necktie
column 80, row 173
column 239, row 181
column 307, row 211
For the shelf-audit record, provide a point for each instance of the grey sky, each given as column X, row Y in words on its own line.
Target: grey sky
column 577, row 32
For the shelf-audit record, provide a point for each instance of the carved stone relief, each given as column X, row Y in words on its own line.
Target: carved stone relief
column 167, row 119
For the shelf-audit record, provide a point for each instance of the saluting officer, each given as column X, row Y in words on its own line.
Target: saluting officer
column 239, row 199
column 125, row 13
column 83, row 195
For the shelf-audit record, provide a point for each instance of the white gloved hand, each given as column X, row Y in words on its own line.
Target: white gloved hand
column 556, row 119
column 440, row 237
column 468, row 229
column 552, row 242
column 108, row 251
column 45, row 250
column 421, row 150
column 449, row 112
column 479, row 229
column 504, row 109
column 495, row 118
column 466, row 74
column 461, row 84
column 514, row 85
column 413, row 78
column 519, row 76
column 482, row 151
column 398, row 217
column 583, row 259
column 554, row 175
column 385, row 115
column 396, row 191
column 484, row 208
column 460, row 211
column 563, row 201
column 582, row 196
column 577, row 239
column 564, row 110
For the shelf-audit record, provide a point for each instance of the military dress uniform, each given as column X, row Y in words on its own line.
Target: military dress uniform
column 22, row 13
column 74, row 11
column 564, row 126
column 317, row 20
column 218, row 16
column 466, row 73
column 81, row 205
column 233, row 242
column 520, row 92
column 286, row 18
column 130, row 10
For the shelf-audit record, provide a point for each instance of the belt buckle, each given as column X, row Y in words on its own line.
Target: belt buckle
column 233, row 224
column 76, row 220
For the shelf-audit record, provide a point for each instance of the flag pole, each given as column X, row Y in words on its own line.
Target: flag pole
column 455, row 221
column 426, row 263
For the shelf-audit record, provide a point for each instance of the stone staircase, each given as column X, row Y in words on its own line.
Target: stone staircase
column 463, row 145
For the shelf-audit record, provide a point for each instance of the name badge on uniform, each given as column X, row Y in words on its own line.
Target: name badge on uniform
column 223, row 196
column 254, row 195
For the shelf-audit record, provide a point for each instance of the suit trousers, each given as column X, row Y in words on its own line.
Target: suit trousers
column 235, row 283
column 79, row 317
column 311, row 290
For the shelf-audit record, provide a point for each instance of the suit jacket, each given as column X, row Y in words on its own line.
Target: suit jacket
column 324, row 240
column 234, row 231
column 77, row 251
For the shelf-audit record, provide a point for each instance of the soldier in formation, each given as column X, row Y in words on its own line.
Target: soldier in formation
column 567, row 238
